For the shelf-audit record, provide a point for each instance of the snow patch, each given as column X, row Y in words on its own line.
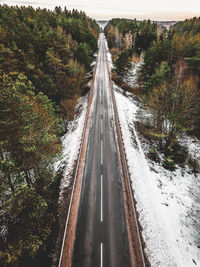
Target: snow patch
column 109, row 57
column 131, row 77
column 193, row 145
column 71, row 142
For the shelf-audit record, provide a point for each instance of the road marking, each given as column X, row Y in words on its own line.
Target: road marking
column 101, row 126
column 101, row 152
column 101, row 198
column 101, row 254
column 100, row 92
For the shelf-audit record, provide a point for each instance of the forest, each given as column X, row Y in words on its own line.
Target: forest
column 128, row 40
column 45, row 66
column 169, row 81
column 130, row 35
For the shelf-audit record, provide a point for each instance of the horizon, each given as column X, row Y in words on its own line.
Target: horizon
column 103, row 11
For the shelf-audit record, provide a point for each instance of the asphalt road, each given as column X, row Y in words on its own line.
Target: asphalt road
column 101, row 234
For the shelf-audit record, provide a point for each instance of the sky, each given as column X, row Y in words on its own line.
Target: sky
column 107, row 9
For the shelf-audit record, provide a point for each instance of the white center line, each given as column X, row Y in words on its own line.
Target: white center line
column 100, row 92
column 101, row 198
column 101, row 152
column 101, row 254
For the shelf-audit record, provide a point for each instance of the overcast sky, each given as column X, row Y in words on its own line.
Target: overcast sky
column 106, row 9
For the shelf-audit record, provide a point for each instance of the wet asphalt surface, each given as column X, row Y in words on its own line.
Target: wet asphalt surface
column 101, row 233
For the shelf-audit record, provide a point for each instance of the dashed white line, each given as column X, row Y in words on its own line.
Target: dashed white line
column 101, row 198
column 101, row 254
column 101, row 152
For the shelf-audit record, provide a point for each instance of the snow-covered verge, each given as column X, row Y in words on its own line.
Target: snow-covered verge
column 168, row 202
column 65, row 166
column 71, row 144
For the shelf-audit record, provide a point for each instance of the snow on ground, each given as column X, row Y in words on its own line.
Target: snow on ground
column 71, row 144
column 131, row 78
column 109, row 57
column 66, row 164
column 168, row 202
column 193, row 145
column 164, row 199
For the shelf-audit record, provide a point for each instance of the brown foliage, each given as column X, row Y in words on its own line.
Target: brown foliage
column 114, row 52
column 69, row 107
column 175, row 105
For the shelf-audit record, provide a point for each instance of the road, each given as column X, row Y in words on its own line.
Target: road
column 101, row 233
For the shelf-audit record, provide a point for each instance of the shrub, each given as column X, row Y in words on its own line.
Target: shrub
column 169, row 164
column 153, row 154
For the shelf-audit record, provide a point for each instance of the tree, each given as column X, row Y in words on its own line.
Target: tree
column 28, row 125
column 122, row 64
column 175, row 105
column 26, row 213
column 85, row 55
column 41, row 78
column 162, row 73
column 29, row 141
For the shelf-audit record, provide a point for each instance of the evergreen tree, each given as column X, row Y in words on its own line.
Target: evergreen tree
column 122, row 64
